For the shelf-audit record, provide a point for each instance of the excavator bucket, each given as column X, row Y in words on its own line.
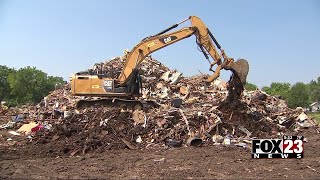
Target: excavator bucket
column 241, row 69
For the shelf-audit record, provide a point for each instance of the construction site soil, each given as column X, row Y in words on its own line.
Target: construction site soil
column 207, row 162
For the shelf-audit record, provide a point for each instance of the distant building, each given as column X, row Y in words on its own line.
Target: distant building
column 314, row 107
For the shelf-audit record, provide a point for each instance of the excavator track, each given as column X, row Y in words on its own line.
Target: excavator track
column 118, row 102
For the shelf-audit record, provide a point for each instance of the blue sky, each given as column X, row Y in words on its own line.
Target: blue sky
column 279, row 38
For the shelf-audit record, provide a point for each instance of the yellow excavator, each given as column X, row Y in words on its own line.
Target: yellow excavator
column 128, row 84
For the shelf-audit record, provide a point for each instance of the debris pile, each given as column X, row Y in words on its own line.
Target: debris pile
column 190, row 114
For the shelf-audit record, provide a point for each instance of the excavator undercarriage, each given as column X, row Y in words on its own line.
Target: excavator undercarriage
column 133, row 104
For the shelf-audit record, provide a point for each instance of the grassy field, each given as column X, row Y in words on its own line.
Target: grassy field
column 315, row 115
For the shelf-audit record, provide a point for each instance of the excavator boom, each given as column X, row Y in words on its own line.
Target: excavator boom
column 148, row 46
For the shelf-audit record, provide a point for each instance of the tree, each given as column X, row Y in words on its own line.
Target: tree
column 314, row 88
column 30, row 85
column 250, row 87
column 299, row 95
column 278, row 89
column 53, row 81
column 4, row 84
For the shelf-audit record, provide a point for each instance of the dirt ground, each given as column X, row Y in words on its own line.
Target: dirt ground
column 210, row 162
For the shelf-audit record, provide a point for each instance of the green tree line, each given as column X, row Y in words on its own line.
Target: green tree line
column 296, row 95
column 25, row 85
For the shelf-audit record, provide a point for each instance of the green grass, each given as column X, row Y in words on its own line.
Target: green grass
column 316, row 115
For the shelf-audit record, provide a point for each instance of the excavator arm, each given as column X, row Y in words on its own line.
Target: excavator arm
column 204, row 39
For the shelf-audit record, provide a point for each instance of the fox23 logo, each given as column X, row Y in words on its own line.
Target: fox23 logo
column 288, row 147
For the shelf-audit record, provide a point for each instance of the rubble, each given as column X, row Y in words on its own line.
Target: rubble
column 190, row 115
column 27, row 128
